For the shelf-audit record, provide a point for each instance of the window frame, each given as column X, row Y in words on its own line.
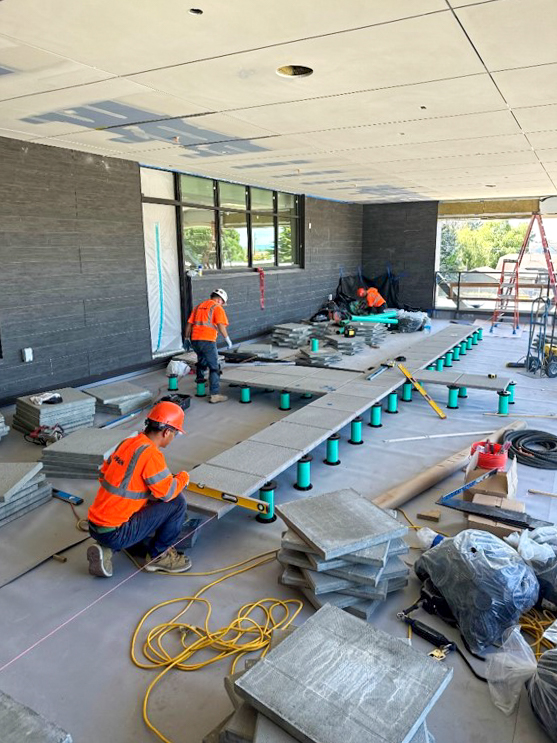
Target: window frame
column 180, row 201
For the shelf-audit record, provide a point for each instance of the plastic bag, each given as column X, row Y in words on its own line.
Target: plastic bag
column 551, row 633
column 177, row 368
column 486, row 584
column 538, row 548
column 542, row 691
column 508, row 669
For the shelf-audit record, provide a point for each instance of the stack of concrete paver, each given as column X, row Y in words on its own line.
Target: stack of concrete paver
column 261, row 350
column 333, row 679
column 292, row 335
column 77, row 410
column 80, row 454
column 373, row 333
column 120, row 398
column 23, row 487
column 4, row 429
column 322, row 357
column 342, row 549
column 347, row 346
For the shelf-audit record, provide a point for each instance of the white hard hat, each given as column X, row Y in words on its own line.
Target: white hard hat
column 222, row 294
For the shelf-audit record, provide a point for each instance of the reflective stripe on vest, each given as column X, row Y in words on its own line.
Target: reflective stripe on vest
column 209, row 322
column 122, row 489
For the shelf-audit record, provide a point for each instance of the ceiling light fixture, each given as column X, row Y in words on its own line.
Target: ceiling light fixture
column 195, row 11
column 294, row 70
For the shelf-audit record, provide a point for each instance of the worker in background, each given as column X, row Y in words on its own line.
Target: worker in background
column 374, row 300
column 139, row 498
column 204, row 323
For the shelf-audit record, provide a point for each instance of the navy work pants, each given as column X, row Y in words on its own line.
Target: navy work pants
column 207, row 358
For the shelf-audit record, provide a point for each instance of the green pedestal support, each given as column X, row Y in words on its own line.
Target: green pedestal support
column 453, row 397
column 332, row 450
column 407, row 392
column 375, row 415
column 267, row 494
column 456, row 353
column 503, row 408
column 284, row 400
column 303, row 481
column 469, row 344
column 392, row 403
column 245, row 394
column 172, row 384
column 462, row 392
column 356, row 432
column 307, row 396
column 314, row 345
column 200, row 392
column 449, row 358
column 439, row 364
column 510, row 389
column 431, row 367
column 475, row 338
column 480, row 334
column 463, row 348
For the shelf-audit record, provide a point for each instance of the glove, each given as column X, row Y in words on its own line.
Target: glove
column 228, row 342
column 187, row 344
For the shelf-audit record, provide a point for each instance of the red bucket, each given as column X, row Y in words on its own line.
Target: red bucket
column 493, row 458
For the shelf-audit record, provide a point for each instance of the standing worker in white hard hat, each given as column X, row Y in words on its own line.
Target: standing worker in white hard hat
column 204, row 323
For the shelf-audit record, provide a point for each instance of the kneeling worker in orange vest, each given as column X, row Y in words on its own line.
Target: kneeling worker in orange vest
column 204, row 323
column 375, row 302
column 139, row 497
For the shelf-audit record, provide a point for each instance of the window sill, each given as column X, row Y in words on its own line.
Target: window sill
column 226, row 273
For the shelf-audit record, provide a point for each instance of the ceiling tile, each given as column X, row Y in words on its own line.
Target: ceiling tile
column 466, row 95
column 401, row 53
column 537, row 118
column 125, row 36
column 108, row 103
column 533, row 86
column 513, row 33
column 25, row 70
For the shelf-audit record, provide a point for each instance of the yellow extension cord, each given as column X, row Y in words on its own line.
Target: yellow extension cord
column 226, row 642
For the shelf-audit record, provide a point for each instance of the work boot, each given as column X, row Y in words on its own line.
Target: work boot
column 170, row 561
column 218, row 398
column 100, row 560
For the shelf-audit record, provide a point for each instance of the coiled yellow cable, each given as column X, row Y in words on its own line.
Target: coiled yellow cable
column 534, row 623
column 245, row 634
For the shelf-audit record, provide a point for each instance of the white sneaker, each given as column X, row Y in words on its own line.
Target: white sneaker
column 218, row 398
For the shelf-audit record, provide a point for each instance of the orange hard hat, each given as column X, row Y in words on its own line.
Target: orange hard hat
column 168, row 414
column 361, row 292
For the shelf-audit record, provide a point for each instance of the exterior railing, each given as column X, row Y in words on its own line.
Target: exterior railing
column 476, row 291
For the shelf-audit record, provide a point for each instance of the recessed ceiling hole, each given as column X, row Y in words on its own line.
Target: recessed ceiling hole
column 490, row 185
column 196, row 11
column 423, row 108
column 294, row 70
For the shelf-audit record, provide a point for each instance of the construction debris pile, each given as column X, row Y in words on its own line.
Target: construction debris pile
column 4, row 429
column 75, row 410
column 120, row 398
column 309, row 687
column 292, row 334
column 343, row 550
column 81, row 454
column 23, row 487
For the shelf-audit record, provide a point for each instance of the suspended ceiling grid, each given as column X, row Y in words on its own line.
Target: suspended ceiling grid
column 409, row 100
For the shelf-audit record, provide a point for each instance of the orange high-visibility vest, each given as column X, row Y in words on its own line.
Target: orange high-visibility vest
column 134, row 474
column 374, row 299
column 204, row 320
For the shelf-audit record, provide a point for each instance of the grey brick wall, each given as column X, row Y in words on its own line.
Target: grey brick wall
column 72, row 267
column 404, row 236
column 333, row 240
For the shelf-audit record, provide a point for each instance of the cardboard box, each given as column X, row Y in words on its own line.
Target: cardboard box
column 495, row 527
column 502, row 485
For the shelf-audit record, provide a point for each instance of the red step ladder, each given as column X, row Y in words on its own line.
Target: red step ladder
column 506, row 303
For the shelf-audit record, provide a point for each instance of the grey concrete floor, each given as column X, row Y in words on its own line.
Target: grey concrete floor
column 79, row 672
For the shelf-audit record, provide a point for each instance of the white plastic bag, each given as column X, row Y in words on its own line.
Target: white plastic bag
column 508, row 669
column 542, row 690
column 530, row 549
column 177, row 368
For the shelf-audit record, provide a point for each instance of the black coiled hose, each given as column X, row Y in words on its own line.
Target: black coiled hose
column 533, row 448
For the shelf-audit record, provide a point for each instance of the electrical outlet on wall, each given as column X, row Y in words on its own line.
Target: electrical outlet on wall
column 27, row 354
